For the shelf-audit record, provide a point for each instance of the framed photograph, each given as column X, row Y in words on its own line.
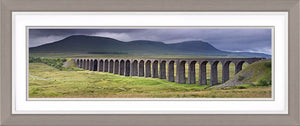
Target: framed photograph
column 150, row 64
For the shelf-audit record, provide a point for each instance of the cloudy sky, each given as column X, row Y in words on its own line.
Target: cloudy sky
column 249, row 40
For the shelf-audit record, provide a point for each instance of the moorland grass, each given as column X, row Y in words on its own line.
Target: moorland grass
column 48, row 82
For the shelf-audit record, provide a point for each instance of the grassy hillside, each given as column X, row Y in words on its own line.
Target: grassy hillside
column 49, row 82
column 258, row 73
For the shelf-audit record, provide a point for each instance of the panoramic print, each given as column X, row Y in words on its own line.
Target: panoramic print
column 150, row 62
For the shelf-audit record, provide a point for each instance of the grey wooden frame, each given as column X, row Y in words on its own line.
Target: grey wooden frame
column 7, row 6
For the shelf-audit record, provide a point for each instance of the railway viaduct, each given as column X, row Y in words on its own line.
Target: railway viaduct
column 156, row 67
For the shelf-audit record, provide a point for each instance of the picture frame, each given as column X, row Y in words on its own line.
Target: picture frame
column 98, row 105
column 9, row 6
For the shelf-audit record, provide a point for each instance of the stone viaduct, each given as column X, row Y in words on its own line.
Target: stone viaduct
column 156, row 67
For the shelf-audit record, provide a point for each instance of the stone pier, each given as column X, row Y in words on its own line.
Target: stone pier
column 180, row 72
column 214, row 73
column 191, row 73
column 122, row 67
column 141, row 68
column 127, row 68
column 162, row 70
column 155, row 69
column 170, row 73
column 134, row 69
column 83, row 63
column 106, row 66
column 239, row 66
column 111, row 66
column 101, row 65
column 225, row 71
column 116, row 67
column 148, row 69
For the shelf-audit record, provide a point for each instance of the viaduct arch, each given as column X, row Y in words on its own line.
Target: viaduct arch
column 165, row 68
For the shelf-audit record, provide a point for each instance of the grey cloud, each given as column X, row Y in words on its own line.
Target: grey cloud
column 250, row 39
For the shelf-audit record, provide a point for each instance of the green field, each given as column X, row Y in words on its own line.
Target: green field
column 49, row 82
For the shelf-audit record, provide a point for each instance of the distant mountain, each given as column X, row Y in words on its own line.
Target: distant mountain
column 105, row 45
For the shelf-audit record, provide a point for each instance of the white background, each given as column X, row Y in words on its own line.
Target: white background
column 278, row 20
